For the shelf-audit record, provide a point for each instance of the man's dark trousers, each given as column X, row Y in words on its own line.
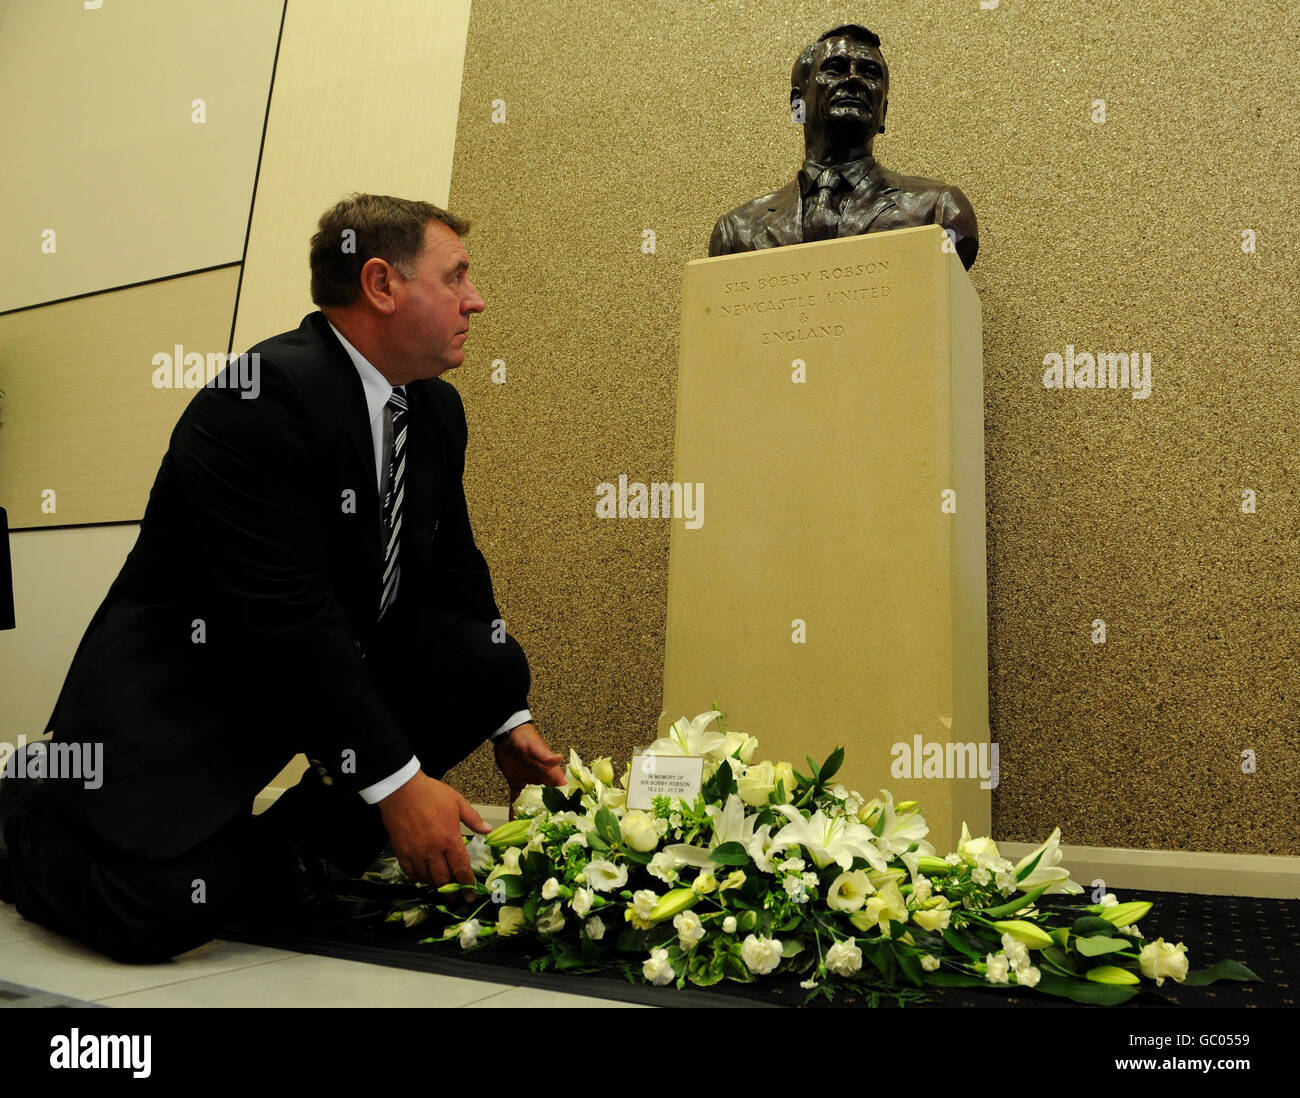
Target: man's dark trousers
column 71, row 880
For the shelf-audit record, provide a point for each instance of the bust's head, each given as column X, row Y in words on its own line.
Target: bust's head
column 843, row 81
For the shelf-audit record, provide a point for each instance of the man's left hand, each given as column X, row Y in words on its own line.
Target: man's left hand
column 524, row 759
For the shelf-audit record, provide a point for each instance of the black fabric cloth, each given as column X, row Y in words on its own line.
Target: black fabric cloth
column 1260, row 933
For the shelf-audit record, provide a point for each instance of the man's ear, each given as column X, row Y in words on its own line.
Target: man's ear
column 376, row 285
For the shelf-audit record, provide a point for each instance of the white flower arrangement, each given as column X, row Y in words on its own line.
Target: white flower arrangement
column 771, row 870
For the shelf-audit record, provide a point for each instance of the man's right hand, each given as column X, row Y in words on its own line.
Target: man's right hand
column 423, row 819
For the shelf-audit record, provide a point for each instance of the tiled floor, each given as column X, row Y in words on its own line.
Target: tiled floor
column 232, row 974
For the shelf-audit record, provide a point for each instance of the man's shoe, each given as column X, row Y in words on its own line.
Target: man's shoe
column 315, row 898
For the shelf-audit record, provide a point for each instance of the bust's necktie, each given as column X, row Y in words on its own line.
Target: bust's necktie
column 821, row 220
column 392, row 512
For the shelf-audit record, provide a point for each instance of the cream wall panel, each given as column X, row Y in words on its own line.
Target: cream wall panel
column 82, row 417
column 101, row 147
column 365, row 100
column 60, row 578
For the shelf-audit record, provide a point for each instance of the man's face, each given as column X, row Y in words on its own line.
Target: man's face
column 847, row 86
column 431, row 320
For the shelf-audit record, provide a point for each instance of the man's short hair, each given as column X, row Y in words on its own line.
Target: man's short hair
column 803, row 65
column 362, row 227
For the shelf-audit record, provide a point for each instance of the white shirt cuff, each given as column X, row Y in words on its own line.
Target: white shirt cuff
column 513, row 721
column 373, row 794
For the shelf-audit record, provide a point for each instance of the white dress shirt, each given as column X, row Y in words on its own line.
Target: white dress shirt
column 379, row 391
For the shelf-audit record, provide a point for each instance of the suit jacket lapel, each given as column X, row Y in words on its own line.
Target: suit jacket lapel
column 868, row 200
column 783, row 221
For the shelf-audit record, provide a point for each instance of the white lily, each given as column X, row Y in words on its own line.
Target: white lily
column 1049, row 870
column 828, row 839
column 730, row 824
column 690, row 738
column 899, row 832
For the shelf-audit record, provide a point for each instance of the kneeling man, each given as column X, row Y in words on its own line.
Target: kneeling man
column 305, row 580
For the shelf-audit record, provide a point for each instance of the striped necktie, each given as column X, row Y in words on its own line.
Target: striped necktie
column 392, row 513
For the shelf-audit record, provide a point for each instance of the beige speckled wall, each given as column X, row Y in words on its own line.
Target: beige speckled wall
column 1104, row 227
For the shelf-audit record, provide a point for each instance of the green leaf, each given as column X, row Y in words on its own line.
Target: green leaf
column 729, row 854
column 1018, row 903
column 725, row 780
column 631, row 941
column 959, row 944
column 595, row 842
column 637, row 856
column 1055, row 955
column 1091, row 924
column 1083, row 991
column 910, row 962
column 607, row 827
column 816, row 774
column 554, row 800
column 1097, row 945
column 1224, row 970
column 535, row 866
column 832, row 765
column 511, row 886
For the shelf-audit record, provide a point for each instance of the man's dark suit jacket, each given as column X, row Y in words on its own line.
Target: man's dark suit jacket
column 882, row 200
column 263, row 525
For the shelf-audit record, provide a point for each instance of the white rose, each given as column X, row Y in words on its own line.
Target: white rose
column 729, row 925
column 510, row 920
column 929, row 962
column 998, row 968
column 705, row 883
column 657, row 969
column 747, row 749
column 469, row 933
column 581, row 902
column 643, row 902
column 551, row 921
column 550, row 889
column 602, row 770
column 1160, row 959
column 613, row 798
column 785, row 775
column 604, row 875
column 849, row 891
column 529, row 802
column 756, row 784
column 595, row 928
column 844, row 958
column 761, row 955
column 689, row 929
column 639, row 831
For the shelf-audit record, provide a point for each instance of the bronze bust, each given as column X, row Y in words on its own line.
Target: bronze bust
column 841, row 82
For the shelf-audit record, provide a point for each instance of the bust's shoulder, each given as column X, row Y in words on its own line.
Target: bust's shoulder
column 764, row 204
column 918, row 186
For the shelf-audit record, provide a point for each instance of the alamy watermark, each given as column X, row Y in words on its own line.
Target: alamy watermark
column 634, row 499
column 182, row 369
column 45, row 759
column 932, row 759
